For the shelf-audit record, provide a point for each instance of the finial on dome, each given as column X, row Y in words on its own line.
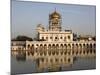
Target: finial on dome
column 55, row 9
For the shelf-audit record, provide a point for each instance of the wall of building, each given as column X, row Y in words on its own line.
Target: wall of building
column 56, row 36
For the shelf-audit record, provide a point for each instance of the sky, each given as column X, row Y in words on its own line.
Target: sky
column 25, row 16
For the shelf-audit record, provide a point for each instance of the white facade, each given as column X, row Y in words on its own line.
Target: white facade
column 18, row 45
column 54, row 33
column 61, row 36
column 18, row 48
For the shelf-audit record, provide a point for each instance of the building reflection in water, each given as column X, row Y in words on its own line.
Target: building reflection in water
column 52, row 60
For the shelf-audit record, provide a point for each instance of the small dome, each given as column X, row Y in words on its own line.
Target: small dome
column 39, row 25
column 55, row 15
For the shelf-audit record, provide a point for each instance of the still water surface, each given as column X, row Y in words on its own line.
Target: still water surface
column 30, row 66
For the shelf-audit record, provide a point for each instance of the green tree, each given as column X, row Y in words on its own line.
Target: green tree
column 22, row 38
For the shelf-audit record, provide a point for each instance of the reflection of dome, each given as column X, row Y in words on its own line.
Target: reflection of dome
column 55, row 15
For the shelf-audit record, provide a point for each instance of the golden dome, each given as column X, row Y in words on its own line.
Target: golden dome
column 55, row 15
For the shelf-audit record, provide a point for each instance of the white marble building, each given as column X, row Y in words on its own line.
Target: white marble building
column 55, row 32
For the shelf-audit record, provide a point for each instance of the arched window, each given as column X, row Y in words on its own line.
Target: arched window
column 65, row 46
column 64, row 38
column 90, row 45
column 61, row 37
column 61, row 44
column 49, row 46
column 45, row 45
column 40, row 44
column 28, row 45
column 46, row 38
column 57, row 45
column 73, row 46
column 42, row 38
column 55, row 37
column 77, row 45
column 87, row 46
column 32, row 45
column 50, row 37
column 68, row 44
column 83, row 45
column 36, row 44
column 53, row 45
column 68, row 37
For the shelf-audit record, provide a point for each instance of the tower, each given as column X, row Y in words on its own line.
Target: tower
column 55, row 21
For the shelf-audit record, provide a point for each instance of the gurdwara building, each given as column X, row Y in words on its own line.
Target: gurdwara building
column 53, row 37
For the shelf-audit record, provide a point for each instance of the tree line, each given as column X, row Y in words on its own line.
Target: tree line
column 22, row 38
